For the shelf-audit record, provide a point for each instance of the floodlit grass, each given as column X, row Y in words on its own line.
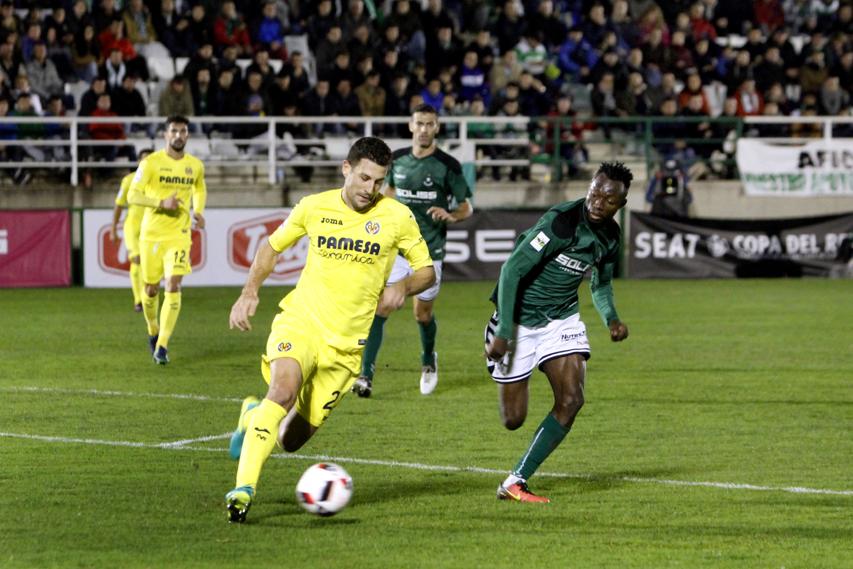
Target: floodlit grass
column 721, row 382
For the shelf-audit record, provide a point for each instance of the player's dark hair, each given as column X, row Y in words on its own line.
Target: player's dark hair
column 180, row 119
column 372, row 148
column 616, row 171
column 425, row 108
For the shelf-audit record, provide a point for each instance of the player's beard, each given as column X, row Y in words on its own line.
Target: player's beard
column 425, row 141
column 178, row 145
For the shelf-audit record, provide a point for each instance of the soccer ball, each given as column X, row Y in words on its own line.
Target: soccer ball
column 324, row 489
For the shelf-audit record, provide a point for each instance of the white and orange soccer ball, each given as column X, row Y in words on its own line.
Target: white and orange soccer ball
column 324, row 489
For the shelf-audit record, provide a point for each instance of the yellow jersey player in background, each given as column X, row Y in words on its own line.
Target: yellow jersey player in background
column 130, row 231
column 313, row 353
column 167, row 183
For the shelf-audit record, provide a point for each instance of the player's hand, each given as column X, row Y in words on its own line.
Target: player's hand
column 171, row 203
column 113, row 234
column 440, row 214
column 242, row 311
column 618, row 331
column 497, row 349
column 199, row 220
column 394, row 296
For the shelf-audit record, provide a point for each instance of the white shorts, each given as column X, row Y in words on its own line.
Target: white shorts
column 533, row 347
column 403, row 269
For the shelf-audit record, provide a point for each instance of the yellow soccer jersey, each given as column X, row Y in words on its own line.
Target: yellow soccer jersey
column 349, row 258
column 134, row 212
column 160, row 176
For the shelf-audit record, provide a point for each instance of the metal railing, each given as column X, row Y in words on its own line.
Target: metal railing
column 215, row 139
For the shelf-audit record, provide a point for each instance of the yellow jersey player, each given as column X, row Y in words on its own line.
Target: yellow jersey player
column 130, row 230
column 167, row 183
column 314, row 348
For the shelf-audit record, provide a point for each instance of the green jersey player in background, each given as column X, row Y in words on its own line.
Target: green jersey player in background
column 536, row 321
column 430, row 182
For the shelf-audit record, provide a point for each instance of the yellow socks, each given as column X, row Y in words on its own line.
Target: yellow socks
column 149, row 309
column 168, row 317
column 136, row 283
column 261, row 436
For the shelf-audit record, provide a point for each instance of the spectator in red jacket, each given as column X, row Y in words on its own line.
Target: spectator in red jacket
column 229, row 29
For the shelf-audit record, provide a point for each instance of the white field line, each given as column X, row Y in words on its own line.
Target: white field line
column 437, row 467
column 105, row 393
column 185, row 442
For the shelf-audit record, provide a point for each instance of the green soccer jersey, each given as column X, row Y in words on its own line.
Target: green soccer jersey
column 422, row 183
column 540, row 280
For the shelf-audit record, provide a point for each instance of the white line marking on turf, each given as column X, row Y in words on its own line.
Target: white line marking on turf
column 197, row 440
column 438, row 467
column 104, row 393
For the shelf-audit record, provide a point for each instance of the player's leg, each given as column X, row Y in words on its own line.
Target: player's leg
column 363, row 386
column 423, row 310
column 151, row 266
column 262, row 427
column 562, row 349
column 136, row 284
column 176, row 264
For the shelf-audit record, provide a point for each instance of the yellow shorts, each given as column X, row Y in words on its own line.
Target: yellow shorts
column 164, row 258
column 131, row 238
column 327, row 373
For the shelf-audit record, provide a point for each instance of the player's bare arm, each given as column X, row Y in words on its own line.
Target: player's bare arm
column 114, row 226
column 199, row 220
column 247, row 303
column 394, row 296
column 461, row 213
column 497, row 348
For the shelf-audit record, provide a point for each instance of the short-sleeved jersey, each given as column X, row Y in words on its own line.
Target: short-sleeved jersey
column 349, row 258
column 134, row 212
column 160, row 176
column 422, row 183
column 540, row 280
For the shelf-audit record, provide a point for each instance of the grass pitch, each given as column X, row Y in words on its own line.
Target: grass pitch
column 717, row 435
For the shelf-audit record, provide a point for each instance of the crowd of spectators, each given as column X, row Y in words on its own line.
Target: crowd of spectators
column 679, row 58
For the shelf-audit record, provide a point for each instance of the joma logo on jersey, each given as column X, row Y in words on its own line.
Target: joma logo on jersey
column 412, row 195
column 572, row 264
column 332, row 221
column 176, row 180
column 347, row 244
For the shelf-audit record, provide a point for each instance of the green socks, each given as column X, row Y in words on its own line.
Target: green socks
column 371, row 349
column 548, row 436
column 428, row 332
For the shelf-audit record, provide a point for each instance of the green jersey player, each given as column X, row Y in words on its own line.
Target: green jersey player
column 430, row 182
column 536, row 322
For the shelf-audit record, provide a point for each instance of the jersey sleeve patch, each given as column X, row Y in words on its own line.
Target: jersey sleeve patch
column 540, row 241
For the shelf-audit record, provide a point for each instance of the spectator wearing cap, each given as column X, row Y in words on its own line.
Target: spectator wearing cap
column 229, row 30
column 44, row 78
column 176, row 99
column 371, row 96
column 269, row 30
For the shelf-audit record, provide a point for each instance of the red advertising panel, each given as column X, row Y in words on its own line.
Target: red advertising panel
column 244, row 238
column 112, row 255
column 35, row 248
